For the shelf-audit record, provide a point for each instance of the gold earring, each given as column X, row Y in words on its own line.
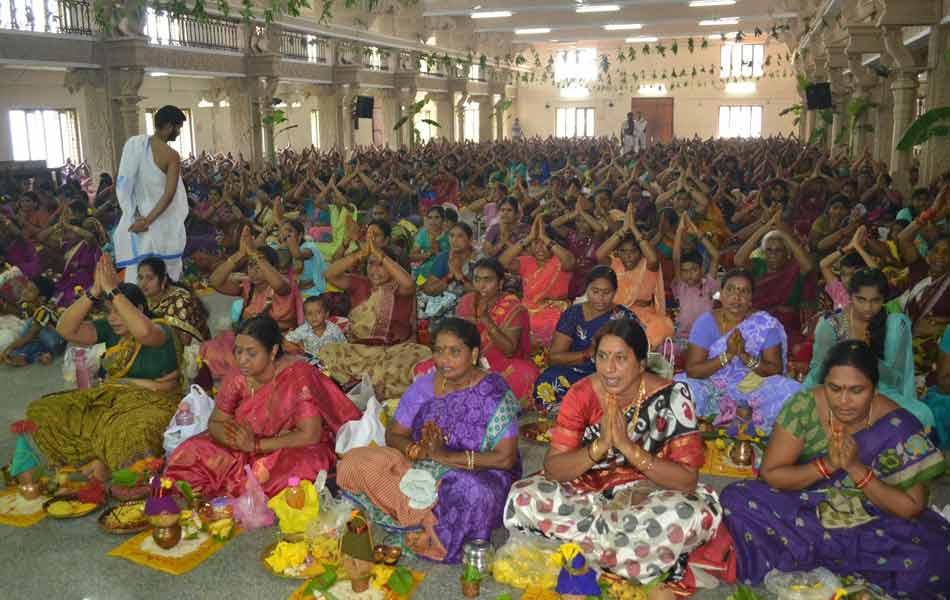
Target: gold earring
column 475, row 361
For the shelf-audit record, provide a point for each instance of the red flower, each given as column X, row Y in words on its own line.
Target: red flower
column 23, row 426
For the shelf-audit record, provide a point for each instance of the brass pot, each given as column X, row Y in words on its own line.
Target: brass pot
column 31, row 490
column 164, row 520
column 742, row 453
column 359, row 585
column 167, row 537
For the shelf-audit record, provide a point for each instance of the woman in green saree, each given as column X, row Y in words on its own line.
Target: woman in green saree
column 844, row 486
column 121, row 420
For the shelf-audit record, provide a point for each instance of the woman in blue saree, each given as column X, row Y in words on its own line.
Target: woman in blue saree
column 451, row 454
column 889, row 335
column 844, row 488
column 737, row 357
column 571, row 355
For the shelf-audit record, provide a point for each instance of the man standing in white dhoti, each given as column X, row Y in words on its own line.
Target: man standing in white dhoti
column 640, row 133
column 152, row 197
column 628, row 133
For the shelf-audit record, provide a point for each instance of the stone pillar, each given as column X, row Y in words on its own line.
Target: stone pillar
column 485, row 110
column 445, row 115
column 98, row 146
column 124, row 85
column 936, row 154
column 500, row 120
column 904, row 88
column 883, row 122
column 263, row 144
column 245, row 134
column 460, row 111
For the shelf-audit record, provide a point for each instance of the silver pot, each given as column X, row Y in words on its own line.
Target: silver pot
column 479, row 554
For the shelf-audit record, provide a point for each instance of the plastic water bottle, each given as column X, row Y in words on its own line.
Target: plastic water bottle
column 184, row 416
column 82, row 370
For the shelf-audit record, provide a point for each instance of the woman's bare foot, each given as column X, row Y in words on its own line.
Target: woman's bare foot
column 661, row 592
column 45, row 359
column 15, row 361
column 96, row 469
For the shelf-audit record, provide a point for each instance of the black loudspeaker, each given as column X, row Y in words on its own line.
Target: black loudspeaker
column 364, row 107
column 818, row 96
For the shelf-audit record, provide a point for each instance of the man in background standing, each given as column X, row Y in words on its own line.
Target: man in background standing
column 152, row 198
column 628, row 134
column 640, row 133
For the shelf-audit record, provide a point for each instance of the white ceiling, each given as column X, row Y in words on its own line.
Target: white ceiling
column 665, row 19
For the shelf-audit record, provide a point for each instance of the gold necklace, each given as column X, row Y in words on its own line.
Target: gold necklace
column 835, row 432
column 443, row 381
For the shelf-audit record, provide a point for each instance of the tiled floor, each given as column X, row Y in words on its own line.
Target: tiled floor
column 67, row 559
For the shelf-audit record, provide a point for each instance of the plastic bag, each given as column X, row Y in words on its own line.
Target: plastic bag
column 250, row 508
column 93, row 358
column 200, row 406
column 818, row 584
column 527, row 561
column 357, row 434
column 333, row 513
column 363, row 391
column 661, row 363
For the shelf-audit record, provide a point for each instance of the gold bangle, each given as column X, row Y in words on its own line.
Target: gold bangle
column 591, row 450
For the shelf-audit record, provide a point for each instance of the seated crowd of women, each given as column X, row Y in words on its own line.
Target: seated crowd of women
column 577, row 283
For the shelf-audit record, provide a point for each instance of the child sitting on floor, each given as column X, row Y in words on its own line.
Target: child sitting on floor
column 317, row 331
column 38, row 340
column 693, row 288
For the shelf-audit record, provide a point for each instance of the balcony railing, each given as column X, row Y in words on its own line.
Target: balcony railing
column 366, row 57
column 47, row 16
column 211, row 33
column 304, row 46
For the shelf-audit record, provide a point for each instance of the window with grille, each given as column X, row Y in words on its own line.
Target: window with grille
column 184, row 145
column 315, row 128
column 574, row 121
column 740, row 121
column 45, row 134
column 741, row 60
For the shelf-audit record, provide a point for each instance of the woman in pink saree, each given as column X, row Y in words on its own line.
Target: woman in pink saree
column 546, row 274
column 505, row 330
column 277, row 414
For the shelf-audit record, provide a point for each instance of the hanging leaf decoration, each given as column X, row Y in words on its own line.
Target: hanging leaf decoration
column 661, row 49
column 693, row 74
column 646, row 49
column 757, row 32
column 631, row 54
column 604, row 64
column 690, row 45
column 520, row 60
column 674, row 48
column 621, row 57
column 739, row 36
column 704, row 44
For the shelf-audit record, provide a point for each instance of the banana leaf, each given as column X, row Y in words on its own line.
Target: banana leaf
column 933, row 123
column 431, row 122
column 402, row 121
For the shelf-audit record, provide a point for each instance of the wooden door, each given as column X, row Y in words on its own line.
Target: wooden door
column 659, row 115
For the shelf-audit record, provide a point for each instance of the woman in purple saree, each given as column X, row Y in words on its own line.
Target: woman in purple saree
column 451, row 454
column 844, row 488
column 737, row 357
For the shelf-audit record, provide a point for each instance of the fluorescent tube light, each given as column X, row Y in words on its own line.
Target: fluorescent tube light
column 623, row 26
column 643, row 39
column 701, row 3
column 492, row 14
column 532, row 31
column 596, row 8
column 717, row 22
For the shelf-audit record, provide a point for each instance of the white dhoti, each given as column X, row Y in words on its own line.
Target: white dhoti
column 139, row 187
